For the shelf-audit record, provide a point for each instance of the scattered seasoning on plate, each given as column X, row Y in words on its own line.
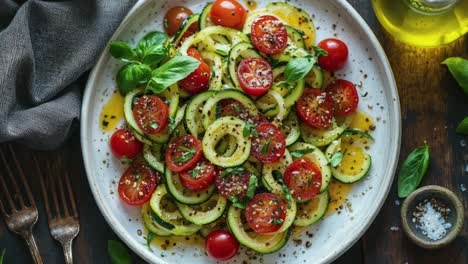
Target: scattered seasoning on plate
column 430, row 216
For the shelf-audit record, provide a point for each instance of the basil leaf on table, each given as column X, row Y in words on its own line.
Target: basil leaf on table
column 118, row 254
column 122, row 51
column 413, row 170
column 463, row 127
column 458, row 67
column 298, row 68
column 131, row 75
column 2, row 255
column 171, row 72
column 149, row 41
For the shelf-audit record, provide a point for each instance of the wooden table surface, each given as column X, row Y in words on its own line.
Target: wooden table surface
column 432, row 105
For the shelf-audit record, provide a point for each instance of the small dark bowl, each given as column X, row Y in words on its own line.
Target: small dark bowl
column 456, row 217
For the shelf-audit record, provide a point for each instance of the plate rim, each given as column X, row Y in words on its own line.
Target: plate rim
column 151, row 257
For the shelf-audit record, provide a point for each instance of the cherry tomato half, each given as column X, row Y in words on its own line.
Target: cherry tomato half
column 269, row 35
column 255, row 76
column 137, row 184
column 200, row 177
column 174, row 18
column 265, row 213
column 124, row 144
column 199, row 79
column 337, row 54
column 183, row 153
column 315, row 108
column 151, row 114
column 228, row 13
column 269, row 146
column 232, row 184
column 303, row 179
column 345, row 97
column 221, row 245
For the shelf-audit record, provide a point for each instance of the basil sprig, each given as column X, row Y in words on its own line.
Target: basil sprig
column 144, row 64
column 298, row 68
column 413, row 170
column 118, row 254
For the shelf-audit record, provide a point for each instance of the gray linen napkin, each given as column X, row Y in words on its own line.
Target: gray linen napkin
column 45, row 46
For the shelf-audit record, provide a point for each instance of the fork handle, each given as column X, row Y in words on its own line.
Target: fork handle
column 31, row 242
column 67, row 251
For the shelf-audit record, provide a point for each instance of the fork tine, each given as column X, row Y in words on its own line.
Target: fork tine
column 8, row 198
column 12, row 179
column 62, row 194
column 23, row 177
column 53, row 189
column 43, row 188
column 70, row 192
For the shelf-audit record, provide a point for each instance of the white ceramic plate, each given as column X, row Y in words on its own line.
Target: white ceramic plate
column 332, row 236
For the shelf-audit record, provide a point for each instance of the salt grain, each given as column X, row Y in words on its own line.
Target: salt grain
column 462, row 143
column 430, row 217
column 394, row 228
column 462, row 187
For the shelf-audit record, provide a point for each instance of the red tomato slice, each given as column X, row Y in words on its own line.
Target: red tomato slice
column 269, row 35
column 265, row 213
column 199, row 79
column 303, row 179
column 255, row 76
column 199, row 177
column 124, row 144
column 269, row 145
column 151, row 114
column 345, row 97
column 183, row 153
column 315, row 108
column 221, row 245
column 137, row 184
column 232, row 185
column 337, row 54
column 228, row 13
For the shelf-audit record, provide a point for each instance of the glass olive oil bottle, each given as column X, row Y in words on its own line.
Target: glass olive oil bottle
column 427, row 23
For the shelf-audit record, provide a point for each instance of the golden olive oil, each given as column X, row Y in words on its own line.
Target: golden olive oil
column 427, row 23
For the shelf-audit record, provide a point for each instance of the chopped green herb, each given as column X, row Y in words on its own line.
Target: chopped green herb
column 188, row 156
column 319, row 51
column 238, row 203
column 149, row 238
column 237, row 108
column 357, row 132
column 172, row 124
column 253, row 183
column 231, row 171
column 278, row 176
column 309, row 181
column 301, row 152
column 249, row 129
column 285, row 84
column 184, row 148
column 265, row 146
column 337, row 158
column 126, row 160
column 194, row 173
column 221, row 52
column 277, row 221
column 166, row 24
column 151, row 124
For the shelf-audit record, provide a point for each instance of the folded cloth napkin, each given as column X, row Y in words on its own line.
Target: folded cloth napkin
column 45, row 46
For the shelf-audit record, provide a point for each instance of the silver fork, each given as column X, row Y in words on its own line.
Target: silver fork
column 20, row 219
column 63, row 221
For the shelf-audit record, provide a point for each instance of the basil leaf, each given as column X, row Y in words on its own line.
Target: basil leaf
column 298, row 68
column 413, row 170
column 238, row 203
column 118, row 254
column 231, row 171
column 337, row 158
column 253, row 183
column 265, row 146
column 249, row 129
column 131, row 75
column 171, row 72
column 154, row 55
column 458, row 67
column 152, row 39
column 278, row 176
column 277, row 221
column 319, row 51
column 463, row 127
column 221, row 52
column 149, row 238
column 353, row 132
column 2, row 255
column 122, row 51
column 301, row 152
